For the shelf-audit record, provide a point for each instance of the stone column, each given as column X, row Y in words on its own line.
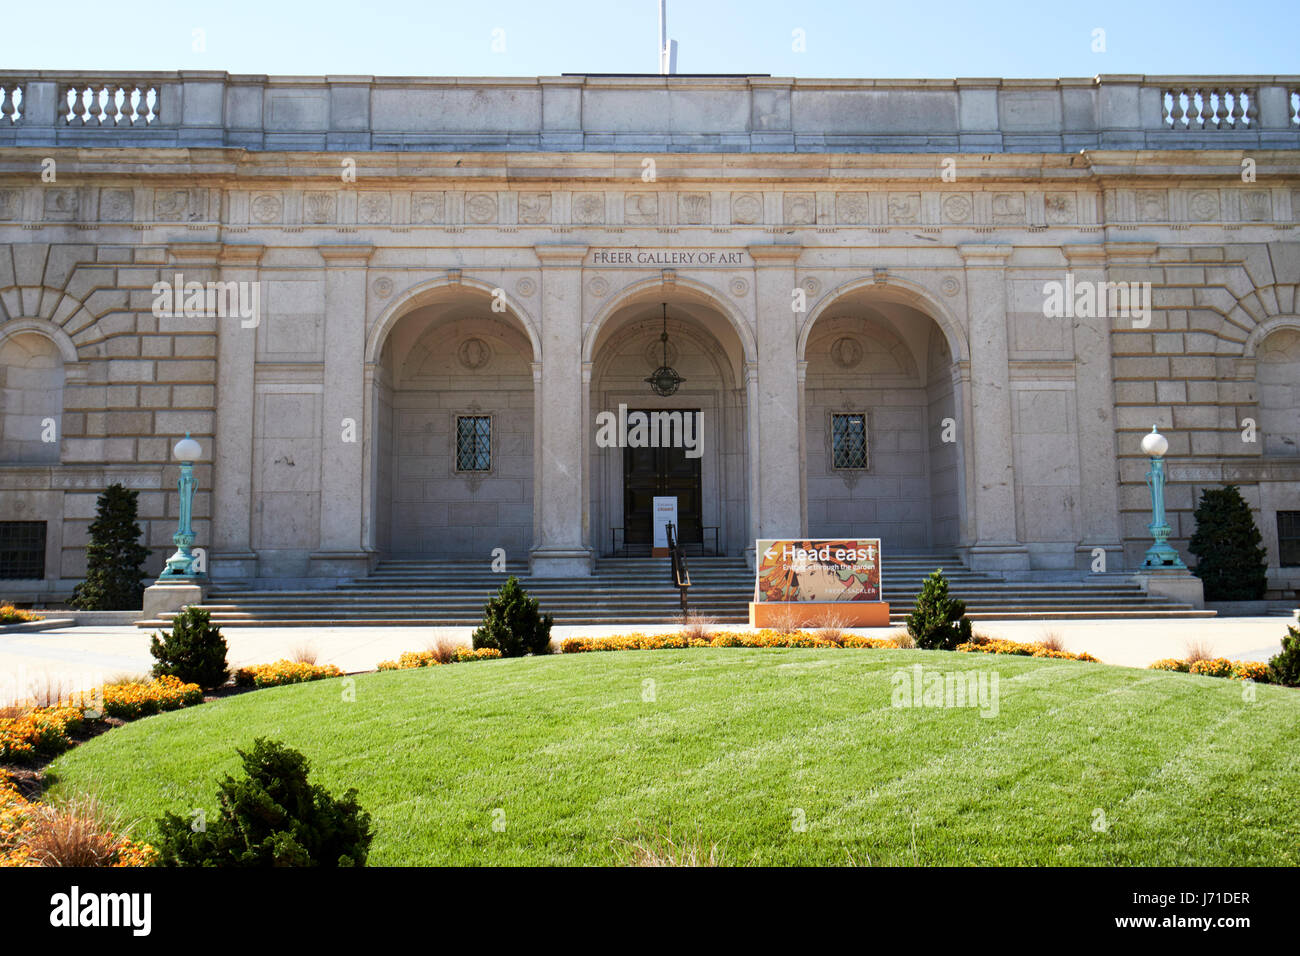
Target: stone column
column 560, row 538
column 342, row 551
column 779, row 463
column 232, row 492
column 996, row 544
column 1094, row 396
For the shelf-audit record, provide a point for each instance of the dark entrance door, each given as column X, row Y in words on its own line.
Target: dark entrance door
column 659, row 472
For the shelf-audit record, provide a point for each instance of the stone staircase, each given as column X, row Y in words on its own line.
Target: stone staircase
column 638, row 591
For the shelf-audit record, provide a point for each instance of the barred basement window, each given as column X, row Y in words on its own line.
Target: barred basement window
column 1288, row 538
column 474, row 443
column 22, row 550
column 849, row 441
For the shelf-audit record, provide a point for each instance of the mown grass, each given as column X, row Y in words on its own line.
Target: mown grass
column 777, row 756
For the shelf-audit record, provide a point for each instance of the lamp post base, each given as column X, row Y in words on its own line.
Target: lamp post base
column 174, row 595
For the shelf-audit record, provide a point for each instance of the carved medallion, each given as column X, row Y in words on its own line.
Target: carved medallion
column 481, row 207
column 319, row 207
column 956, row 208
column 598, row 286
column 746, row 208
column 1204, row 204
column 851, row 208
column 526, row 286
column 641, row 209
column 374, row 207
column 738, row 286
column 426, row 207
column 588, row 207
column 1152, row 205
column 474, row 354
column 1009, row 207
column 116, row 205
column 846, row 352
column 905, row 208
column 171, row 205
column 267, row 208
column 800, row 209
column 950, row 286
column 383, row 287
column 693, row 208
column 534, row 207
column 1059, row 207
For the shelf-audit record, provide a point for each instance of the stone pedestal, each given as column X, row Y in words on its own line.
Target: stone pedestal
column 1176, row 584
column 172, row 596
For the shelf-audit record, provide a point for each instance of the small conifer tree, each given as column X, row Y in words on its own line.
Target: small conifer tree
column 114, row 557
column 937, row 621
column 512, row 624
column 194, row 651
column 1230, row 560
column 271, row 817
column 1284, row 668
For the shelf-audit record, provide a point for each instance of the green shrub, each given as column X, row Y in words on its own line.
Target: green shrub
column 1284, row 668
column 194, row 651
column 512, row 624
column 272, row 817
column 1230, row 560
column 114, row 576
column 937, row 621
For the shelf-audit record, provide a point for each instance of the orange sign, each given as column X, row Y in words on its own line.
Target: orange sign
column 825, row 570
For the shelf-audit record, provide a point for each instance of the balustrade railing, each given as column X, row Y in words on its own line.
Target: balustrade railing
column 113, row 103
column 1210, row 107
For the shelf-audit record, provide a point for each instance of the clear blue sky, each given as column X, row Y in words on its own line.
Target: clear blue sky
column 901, row 38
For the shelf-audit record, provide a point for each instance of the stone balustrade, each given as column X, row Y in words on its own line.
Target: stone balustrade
column 637, row 113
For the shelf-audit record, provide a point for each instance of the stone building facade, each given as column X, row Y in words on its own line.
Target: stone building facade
column 454, row 277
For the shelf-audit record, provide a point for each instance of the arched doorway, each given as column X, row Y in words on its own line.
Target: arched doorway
column 882, row 409
column 708, row 470
column 453, row 410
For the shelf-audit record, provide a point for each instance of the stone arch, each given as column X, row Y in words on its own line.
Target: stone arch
column 642, row 288
column 894, row 289
column 418, row 294
column 1267, row 328
column 33, row 367
column 62, row 341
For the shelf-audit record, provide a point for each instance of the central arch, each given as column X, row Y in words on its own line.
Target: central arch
column 710, row 345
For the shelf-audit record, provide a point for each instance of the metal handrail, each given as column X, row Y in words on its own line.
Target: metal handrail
column 681, row 574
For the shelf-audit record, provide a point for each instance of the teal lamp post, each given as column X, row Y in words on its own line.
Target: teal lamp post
column 181, row 564
column 1161, row 554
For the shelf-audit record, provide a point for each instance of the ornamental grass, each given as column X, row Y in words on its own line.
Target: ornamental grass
column 284, row 672
column 73, row 834
column 768, row 637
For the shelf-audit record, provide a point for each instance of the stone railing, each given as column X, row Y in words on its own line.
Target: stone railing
column 647, row 113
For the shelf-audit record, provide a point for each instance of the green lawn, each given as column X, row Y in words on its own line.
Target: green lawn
column 738, row 746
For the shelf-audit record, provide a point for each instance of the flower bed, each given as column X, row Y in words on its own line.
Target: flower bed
column 430, row 658
column 998, row 646
column 283, row 672
column 40, row 732
column 638, row 641
column 129, row 701
column 22, row 820
column 12, row 615
column 1256, row 671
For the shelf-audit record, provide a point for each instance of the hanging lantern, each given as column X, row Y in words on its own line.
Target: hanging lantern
column 665, row 380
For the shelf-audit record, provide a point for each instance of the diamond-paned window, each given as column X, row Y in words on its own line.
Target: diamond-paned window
column 849, row 441
column 474, row 443
column 22, row 550
column 1288, row 538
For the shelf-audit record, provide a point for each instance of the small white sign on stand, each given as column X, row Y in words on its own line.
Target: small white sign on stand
column 665, row 513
